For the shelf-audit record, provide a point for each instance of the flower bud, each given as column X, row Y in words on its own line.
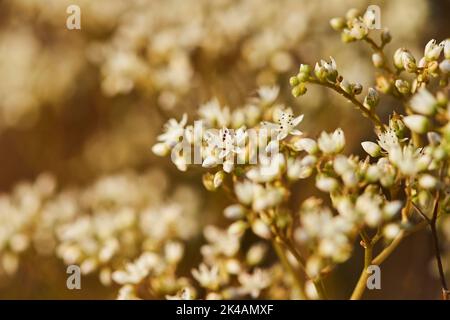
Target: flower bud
column 444, row 66
column 307, row 144
column 382, row 84
column 377, row 60
column 352, row 13
column 427, row 181
column 416, row 123
column 208, row 181
column 446, row 45
column 409, row 63
column 373, row 149
column 391, row 230
column 357, row 88
column 338, row 23
column 402, row 86
column 160, row 149
column 305, row 68
column 326, row 184
column 423, row 102
column 398, row 61
column 299, row 90
column 294, row 81
column 234, row 211
column 261, row 229
column 372, row 98
column 386, row 36
column 218, row 179
column 238, row 228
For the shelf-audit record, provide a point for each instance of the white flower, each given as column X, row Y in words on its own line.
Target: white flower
column 252, row 284
column 391, row 208
column 294, row 168
column 173, row 252
column 388, row 140
column 222, row 145
column 234, row 212
column 326, row 184
column 244, row 191
column 268, row 94
column 427, row 181
column 423, row 102
column 220, row 243
column 409, row 160
column 256, row 253
column 268, row 169
column 369, row 208
column 391, row 230
column 261, row 229
column 266, row 197
column 207, row 277
column 286, row 124
column 307, row 144
column 214, row 115
column 137, row 270
column 237, row 228
column 416, row 123
column 173, row 132
column 331, row 143
column 432, row 50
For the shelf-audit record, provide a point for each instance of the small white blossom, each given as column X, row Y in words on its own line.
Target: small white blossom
column 331, row 143
column 427, row 181
column 423, row 102
column 214, row 115
column 268, row 94
column 432, row 50
column 173, row 132
column 207, row 277
column 253, row 284
column 286, row 124
column 307, row 144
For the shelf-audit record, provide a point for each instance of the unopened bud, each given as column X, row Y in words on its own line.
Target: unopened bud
column 338, row 23
column 402, row 86
column 416, row 123
column 377, row 60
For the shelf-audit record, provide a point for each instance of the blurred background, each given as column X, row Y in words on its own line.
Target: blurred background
column 80, row 110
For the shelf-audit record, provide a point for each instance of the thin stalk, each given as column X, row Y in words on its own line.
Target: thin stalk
column 366, row 112
column 289, row 268
column 381, row 257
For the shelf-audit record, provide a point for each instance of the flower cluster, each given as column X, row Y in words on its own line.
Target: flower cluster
column 378, row 197
column 98, row 228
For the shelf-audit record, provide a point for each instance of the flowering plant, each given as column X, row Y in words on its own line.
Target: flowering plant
column 256, row 153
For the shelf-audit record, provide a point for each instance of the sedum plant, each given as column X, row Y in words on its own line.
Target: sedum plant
column 257, row 155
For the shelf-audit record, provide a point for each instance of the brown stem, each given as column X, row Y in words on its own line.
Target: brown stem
column 366, row 112
column 437, row 251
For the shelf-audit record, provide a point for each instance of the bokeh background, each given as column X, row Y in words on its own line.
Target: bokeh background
column 80, row 110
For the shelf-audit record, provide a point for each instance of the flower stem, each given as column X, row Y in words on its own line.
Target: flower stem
column 380, row 258
column 365, row 111
column 288, row 266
